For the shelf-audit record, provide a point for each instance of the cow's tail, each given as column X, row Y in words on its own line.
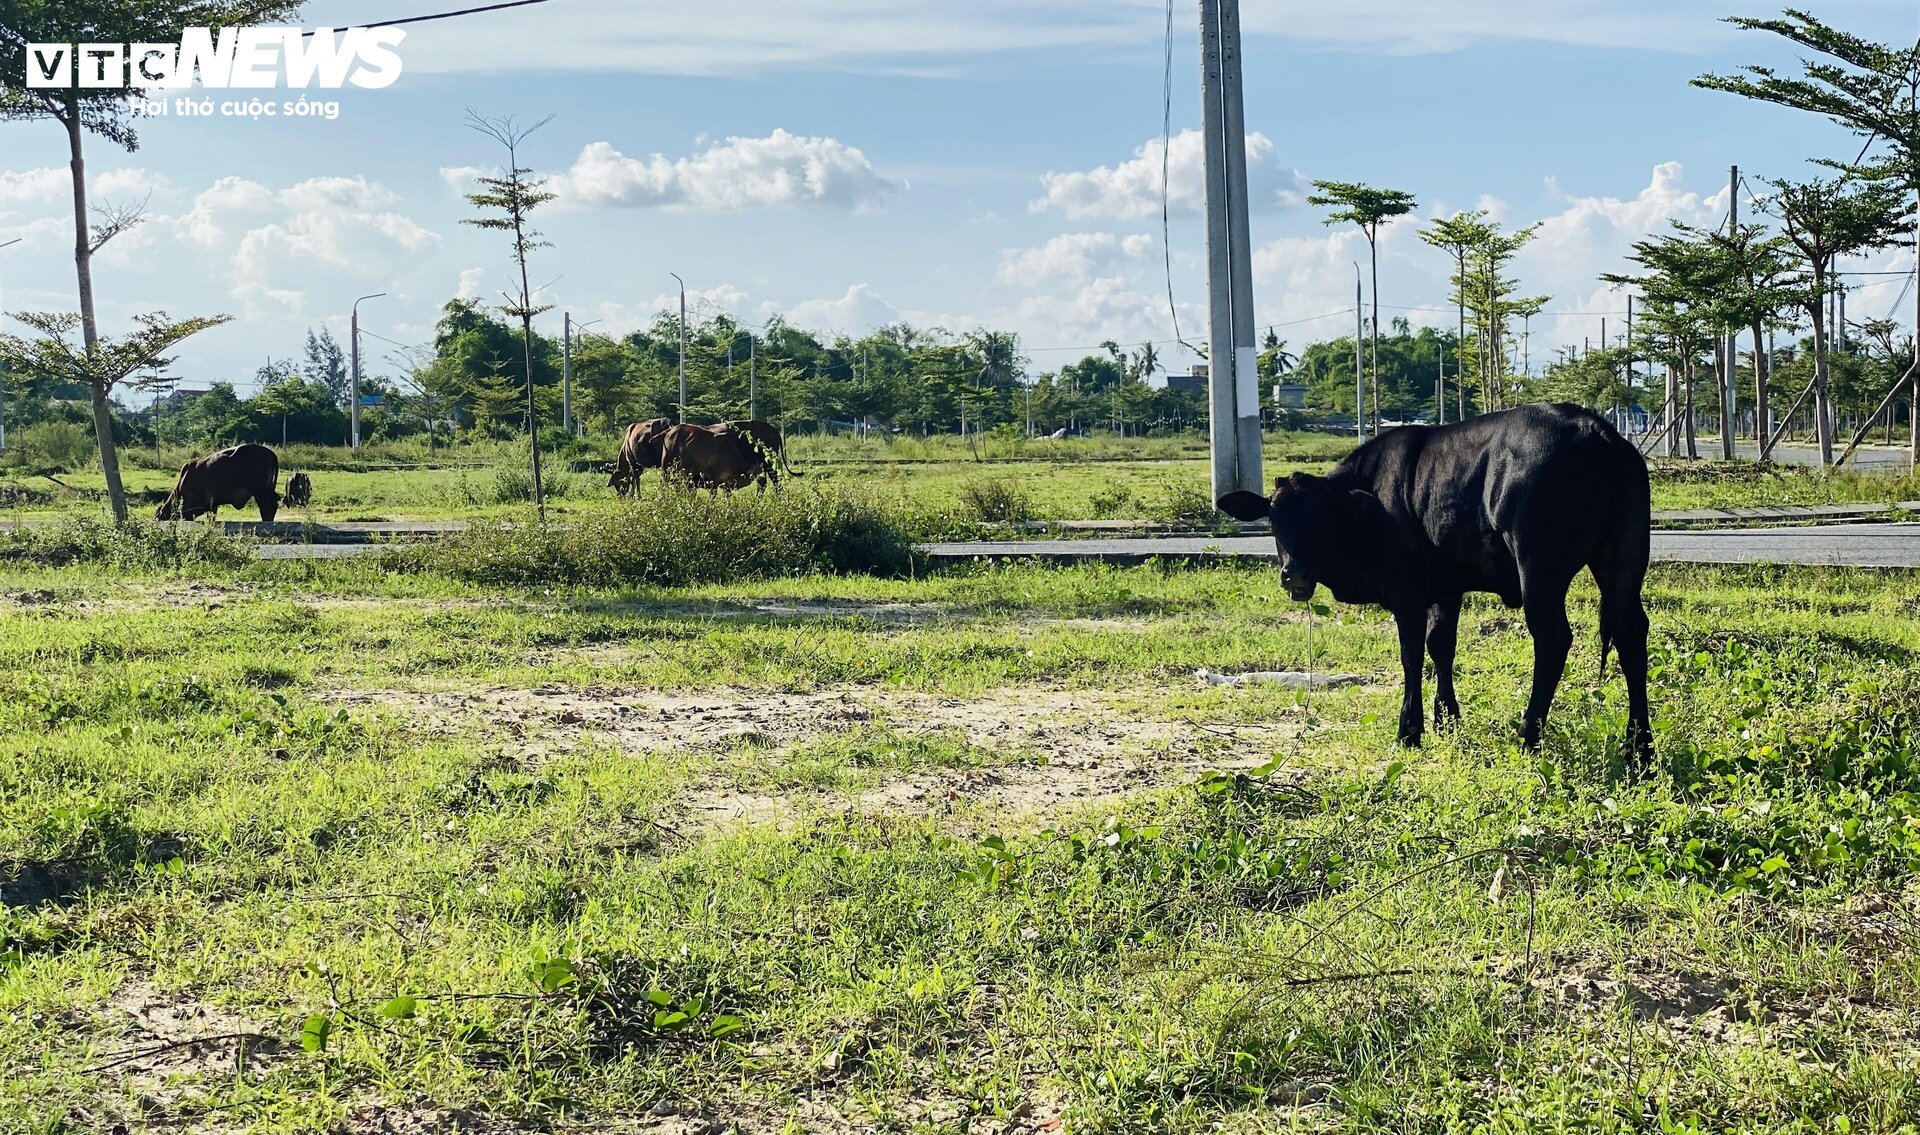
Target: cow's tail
column 787, row 468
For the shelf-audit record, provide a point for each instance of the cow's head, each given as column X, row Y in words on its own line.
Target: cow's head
column 1325, row 532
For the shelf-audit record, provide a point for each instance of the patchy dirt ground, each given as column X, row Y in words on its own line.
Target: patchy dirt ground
column 1044, row 748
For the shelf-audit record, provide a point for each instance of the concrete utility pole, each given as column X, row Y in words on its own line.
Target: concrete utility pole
column 683, row 344
column 355, row 346
column 566, row 374
column 1728, row 406
column 753, row 376
column 1359, row 378
column 3, row 380
column 1233, row 378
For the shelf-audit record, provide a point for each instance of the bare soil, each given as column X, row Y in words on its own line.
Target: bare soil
column 1042, row 749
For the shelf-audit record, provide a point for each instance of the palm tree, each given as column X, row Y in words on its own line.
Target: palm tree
column 1367, row 207
column 1146, row 361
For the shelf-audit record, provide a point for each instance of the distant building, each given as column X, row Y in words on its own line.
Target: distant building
column 1290, row 395
column 1194, row 382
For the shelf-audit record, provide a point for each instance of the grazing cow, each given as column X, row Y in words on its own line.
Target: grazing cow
column 231, row 477
column 766, row 437
column 639, row 452
column 1515, row 503
column 711, row 459
column 299, row 491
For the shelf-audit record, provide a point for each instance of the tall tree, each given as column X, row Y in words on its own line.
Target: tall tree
column 1368, row 208
column 101, row 364
column 1490, row 297
column 80, row 109
column 1870, row 89
column 507, row 201
column 1459, row 234
column 1825, row 219
column 1682, row 281
column 1758, row 283
column 326, row 364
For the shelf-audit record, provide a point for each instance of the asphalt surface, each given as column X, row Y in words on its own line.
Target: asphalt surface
column 1839, row 545
column 1843, row 545
column 1866, row 457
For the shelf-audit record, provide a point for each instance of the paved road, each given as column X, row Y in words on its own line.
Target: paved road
column 1866, row 457
column 1853, row 545
column 1843, row 545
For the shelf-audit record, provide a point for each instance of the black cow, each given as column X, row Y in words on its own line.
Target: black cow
column 299, row 492
column 1514, row 502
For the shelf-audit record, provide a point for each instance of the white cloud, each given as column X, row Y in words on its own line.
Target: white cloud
column 1073, row 257
column 1132, row 188
column 1307, row 277
column 781, row 169
column 461, row 179
column 52, row 184
column 470, row 283
column 348, row 223
column 859, row 311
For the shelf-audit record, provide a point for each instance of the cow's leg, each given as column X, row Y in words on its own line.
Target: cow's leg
column 1412, row 661
column 1546, row 611
column 1623, row 622
column 1443, row 635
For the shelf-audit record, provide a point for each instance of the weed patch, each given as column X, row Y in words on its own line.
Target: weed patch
column 678, row 538
column 136, row 547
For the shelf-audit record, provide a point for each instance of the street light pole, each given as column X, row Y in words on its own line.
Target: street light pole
column 566, row 375
column 683, row 344
column 355, row 346
column 3, row 380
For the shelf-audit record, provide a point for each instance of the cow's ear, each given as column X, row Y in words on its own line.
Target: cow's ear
column 1368, row 523
column 1244, row 505
column 1363, row 505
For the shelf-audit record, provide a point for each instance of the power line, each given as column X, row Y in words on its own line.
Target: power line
column 445, row 15
column 1449, row 311
column 1180, row 343
column 1166, row 182
column 393, row 342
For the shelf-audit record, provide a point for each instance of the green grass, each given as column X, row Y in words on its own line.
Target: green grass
column 513, row 853
column 948, row 484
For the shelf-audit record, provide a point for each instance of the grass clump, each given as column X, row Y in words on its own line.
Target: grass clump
column 136, row 546
column 999, row 501
column 677, row 538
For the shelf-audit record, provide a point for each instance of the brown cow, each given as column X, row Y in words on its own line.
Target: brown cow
column 639, row 452
column 711, row 459
column 230, row 477
column 765, row 436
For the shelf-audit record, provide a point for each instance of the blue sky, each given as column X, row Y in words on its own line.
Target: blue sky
column 850, row 162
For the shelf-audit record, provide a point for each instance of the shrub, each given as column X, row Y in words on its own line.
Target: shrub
column 675, row 538
column 997, row 501
column 513, row 481
column 137, row 546
column 64, row 446
column 1189, row 504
